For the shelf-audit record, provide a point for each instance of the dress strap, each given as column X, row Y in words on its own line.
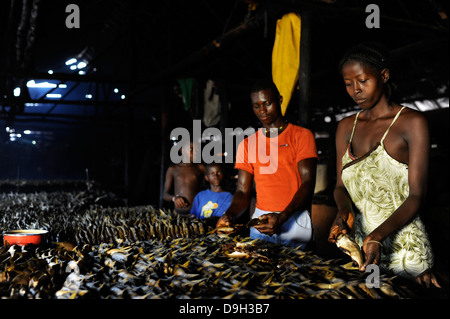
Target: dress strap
column 354, row 125
column 392, row 123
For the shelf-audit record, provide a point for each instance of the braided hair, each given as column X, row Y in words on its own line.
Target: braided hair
column 374, row 56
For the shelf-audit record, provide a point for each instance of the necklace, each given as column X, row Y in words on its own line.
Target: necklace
column 275, row 129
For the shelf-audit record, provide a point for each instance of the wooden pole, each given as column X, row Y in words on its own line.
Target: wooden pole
column 164, row 120
column 304, row 77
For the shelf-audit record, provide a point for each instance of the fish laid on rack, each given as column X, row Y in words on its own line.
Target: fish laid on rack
column 141, row 252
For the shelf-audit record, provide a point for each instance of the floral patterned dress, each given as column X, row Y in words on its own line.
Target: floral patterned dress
column 378, row 185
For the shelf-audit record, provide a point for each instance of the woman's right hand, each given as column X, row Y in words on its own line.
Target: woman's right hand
column 343, row 223
column 427, row 279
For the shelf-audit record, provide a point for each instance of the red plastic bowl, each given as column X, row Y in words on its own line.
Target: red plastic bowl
column 24, row 237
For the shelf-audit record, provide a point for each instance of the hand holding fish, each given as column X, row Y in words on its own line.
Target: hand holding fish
column 343, row 224
column 224, row 221
column 270, row 223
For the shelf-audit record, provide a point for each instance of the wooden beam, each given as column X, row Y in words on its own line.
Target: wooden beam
column 304, row 77
column 164, row 138
column 166, row 75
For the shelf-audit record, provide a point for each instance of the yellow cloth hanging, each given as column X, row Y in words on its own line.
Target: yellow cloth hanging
column 286, row 56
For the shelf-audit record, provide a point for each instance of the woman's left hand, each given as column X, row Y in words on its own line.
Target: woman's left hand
column 372, row 250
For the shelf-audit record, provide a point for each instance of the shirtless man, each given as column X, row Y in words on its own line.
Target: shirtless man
column 184, row 179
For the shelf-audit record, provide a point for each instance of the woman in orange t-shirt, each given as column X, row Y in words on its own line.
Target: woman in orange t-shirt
column 281, row 158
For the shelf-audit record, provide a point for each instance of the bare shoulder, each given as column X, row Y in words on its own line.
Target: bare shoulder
column 412, row 114
column 348, row 121
column 411, row 119
column 202, row 168
column 345, row 126
column 171, row 170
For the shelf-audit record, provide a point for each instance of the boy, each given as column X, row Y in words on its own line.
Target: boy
column 214, row 201
column 184, row 179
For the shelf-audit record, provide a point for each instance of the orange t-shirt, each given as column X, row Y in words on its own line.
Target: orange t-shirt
column 273, row 163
